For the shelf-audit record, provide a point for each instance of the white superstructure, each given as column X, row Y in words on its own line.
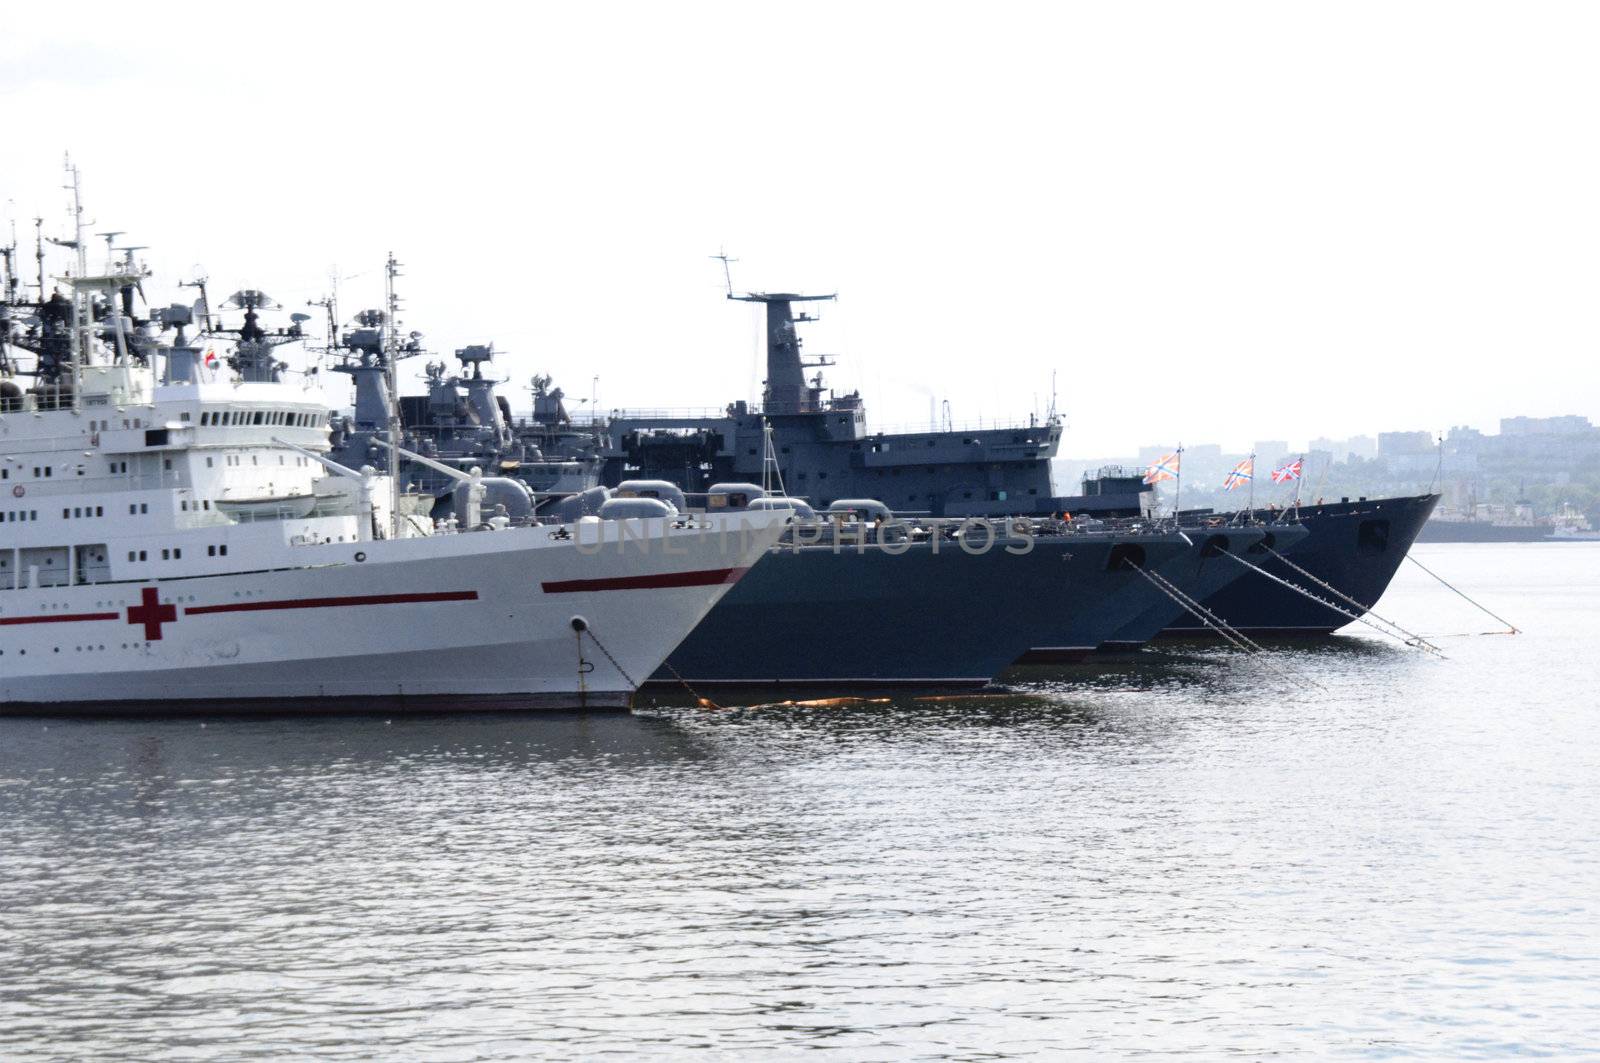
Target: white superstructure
column 169, row 539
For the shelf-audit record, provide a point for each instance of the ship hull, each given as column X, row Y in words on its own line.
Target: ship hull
column 826, row 617
column 1353, row 546
column 469, row 622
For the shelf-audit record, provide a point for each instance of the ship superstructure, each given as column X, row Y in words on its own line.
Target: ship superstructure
column 462, row 422
column 823, row 447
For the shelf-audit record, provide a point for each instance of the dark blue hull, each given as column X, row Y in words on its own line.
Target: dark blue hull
column 1354, row 546
column 821, row 617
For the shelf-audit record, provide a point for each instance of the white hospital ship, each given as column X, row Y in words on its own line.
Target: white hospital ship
column 171, row 538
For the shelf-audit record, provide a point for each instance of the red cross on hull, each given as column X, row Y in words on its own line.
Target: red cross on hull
column 152, row 614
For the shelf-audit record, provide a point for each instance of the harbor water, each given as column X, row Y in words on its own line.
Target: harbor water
column 1352, row 850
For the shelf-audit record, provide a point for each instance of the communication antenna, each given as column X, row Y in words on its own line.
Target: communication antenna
column 38, row 252
column 83, row 313
column 727, row 274
column 205, row 301
column 391, row 346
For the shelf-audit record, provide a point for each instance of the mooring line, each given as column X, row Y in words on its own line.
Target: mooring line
column 1511, row 629
column 1416, row 641
column 1408, row 636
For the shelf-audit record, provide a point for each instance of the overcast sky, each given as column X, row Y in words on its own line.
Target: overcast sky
column 1213, row 223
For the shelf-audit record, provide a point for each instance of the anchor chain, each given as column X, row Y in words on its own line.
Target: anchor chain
column 601, row 646
column 705, row 703
column 1234, row 638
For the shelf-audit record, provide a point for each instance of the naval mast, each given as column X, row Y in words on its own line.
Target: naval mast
column 391, row 359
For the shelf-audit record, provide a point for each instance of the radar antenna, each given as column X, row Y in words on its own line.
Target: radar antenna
column 727, row 274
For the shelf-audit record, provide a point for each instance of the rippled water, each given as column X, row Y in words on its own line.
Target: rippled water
column 1390, row 855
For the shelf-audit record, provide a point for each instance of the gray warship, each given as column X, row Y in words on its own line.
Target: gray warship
column 824, row 451
column 461, row 422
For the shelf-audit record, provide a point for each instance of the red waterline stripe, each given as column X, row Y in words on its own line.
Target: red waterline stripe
column 333, row 603
column 705, row 578
column 68, row 618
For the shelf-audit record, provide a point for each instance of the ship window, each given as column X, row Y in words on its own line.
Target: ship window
column 144, row 507
column 144, row 555
column 155, row 437
column 132, row 508
column 223, row 549
column 177, row 553
column 133, row 555
column 208, row 463
column 211, row 551
column 166, row 555
column 184, row 416
column 259, row 418
column 99, row 511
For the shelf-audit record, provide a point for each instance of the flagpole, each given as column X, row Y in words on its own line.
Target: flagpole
column 1177, row 501
column 1251, row 507
column 1297, row 480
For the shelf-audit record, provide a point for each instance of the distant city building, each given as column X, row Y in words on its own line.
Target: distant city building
column 1270, row 450
column 1404, row 444
column 1549, row 461
column 1544, row 426
column 1361, row 447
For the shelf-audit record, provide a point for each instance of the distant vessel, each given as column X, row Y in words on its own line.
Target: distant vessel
column 1571, row 526
column 176, row 540
column 1484, row 523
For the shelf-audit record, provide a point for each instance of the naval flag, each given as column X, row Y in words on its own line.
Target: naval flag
column 1289, row 472
column 1165, row 469
column 1241, row 475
